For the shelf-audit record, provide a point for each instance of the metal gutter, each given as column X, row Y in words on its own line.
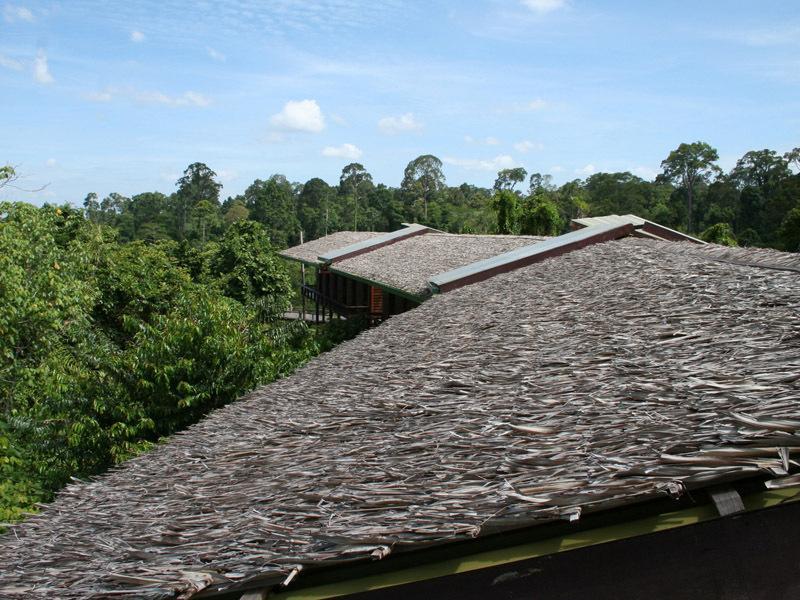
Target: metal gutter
column 509, row 261
column 374, row 243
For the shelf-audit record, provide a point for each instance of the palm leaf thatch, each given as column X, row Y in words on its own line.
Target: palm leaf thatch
column 615, row 373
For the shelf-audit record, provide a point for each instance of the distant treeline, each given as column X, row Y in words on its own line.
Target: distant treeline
column 757, row 203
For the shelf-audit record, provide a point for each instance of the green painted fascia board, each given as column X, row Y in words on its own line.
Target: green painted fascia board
column 572, row 541
column 309, row 263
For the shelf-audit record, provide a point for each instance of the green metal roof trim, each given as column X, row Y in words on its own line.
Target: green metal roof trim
column 365, row 246
column 438, row 282
column 307, row 252
column 610, row 219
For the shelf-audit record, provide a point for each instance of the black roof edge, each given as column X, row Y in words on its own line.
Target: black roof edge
column 406, row 556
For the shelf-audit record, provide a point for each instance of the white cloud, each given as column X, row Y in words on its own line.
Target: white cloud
column 185, row 99
column 403, row 123
column 349, row 151
column 537, row 104
column 10, row 63
column 51, row 162
column 137, row 36
column 527, row 145
column 774, row 36
column 215, row 54
column 41, row 72
column 227, row 175
column 556, row 169
column 587, row 170
column 147, row 97
column 522, row 107
column 503, row 161
column 299, row 115
column 13, row 13
column 99, row 96
column 645, row 172
column 487, row 141
column 544, row 6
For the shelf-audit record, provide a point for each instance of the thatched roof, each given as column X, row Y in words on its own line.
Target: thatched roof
column 310, row 251
column 615, row 373
column 408, row 264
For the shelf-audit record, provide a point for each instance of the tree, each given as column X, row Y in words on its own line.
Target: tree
column 355, row 177
column 236, row 211
column 507, row 179
column 196, row 185
column 689, row 165
column 540, row 217
column 763, row 169
column 793, row 157
column 423, row 179
column 92, row 207
column 272, row 204
column 790, row 231
column 150, row 216
column 721, row 233
column 505, row 203
column 7, row 175
column 540, row 183
column 248, row 268
column 206, row 216
column 315, row 209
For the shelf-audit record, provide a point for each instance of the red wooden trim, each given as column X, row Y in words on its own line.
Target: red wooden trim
column 668, row 234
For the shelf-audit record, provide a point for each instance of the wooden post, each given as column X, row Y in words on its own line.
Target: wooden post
column 302, row 284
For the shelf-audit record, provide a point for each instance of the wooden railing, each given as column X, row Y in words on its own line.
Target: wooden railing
column 323, row 300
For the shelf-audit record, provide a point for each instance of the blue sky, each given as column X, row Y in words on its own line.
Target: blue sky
column 122, row 96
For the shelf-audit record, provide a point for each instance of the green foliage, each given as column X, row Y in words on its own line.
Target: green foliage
column 506, row 204
column 106, row 347
column 507, row 179
column 721, row 233
column 790, row 231
column 7, row 175
column 248, row 270
column 271, row 203
column 540, row 217
column 199, row 355
column 690, row 165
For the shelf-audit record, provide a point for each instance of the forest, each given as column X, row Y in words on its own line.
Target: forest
column 757, row 203
column 125, row 319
